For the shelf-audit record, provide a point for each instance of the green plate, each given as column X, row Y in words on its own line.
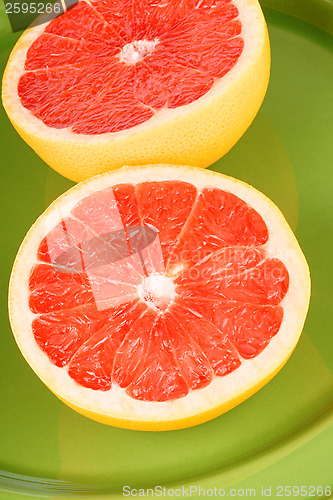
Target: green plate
column 277, row 438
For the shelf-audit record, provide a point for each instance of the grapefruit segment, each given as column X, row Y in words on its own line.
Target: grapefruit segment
column 168, row 220
column 127, row 204
column 265, row 284
column 225, row 263
column 113, row 111
column 59, row 334
column 71, row 92
column 223, row 220
column 192, row 361
column 93, row 371
column 158, row 378
column 214, row 34
column 161, row 284
column 52, row 50
column 249, row 327
column 157, row 88
column 52, row 290
column 61, row 245
column 83, row 22
column 91, row 365
column 130, row 359
column 120, row 18
column 99, row 212
column 33, row 84
column 220, row 352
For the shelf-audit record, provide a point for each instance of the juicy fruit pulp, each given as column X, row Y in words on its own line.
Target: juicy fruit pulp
column 157, row 287
column 108, row 66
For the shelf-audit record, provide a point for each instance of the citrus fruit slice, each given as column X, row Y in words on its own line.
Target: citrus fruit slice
column 138, row 81
column 158, row 297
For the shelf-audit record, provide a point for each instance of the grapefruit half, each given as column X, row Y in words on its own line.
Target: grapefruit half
column 158, row 297
column 131, row 82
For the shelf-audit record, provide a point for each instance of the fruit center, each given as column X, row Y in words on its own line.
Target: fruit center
column 135, row 51
column 157, row 291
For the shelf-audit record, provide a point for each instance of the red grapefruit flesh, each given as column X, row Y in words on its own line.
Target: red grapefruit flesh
column 84, row 72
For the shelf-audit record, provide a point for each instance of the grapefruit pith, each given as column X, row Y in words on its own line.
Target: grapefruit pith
column 135, row 82
column 158, row 297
